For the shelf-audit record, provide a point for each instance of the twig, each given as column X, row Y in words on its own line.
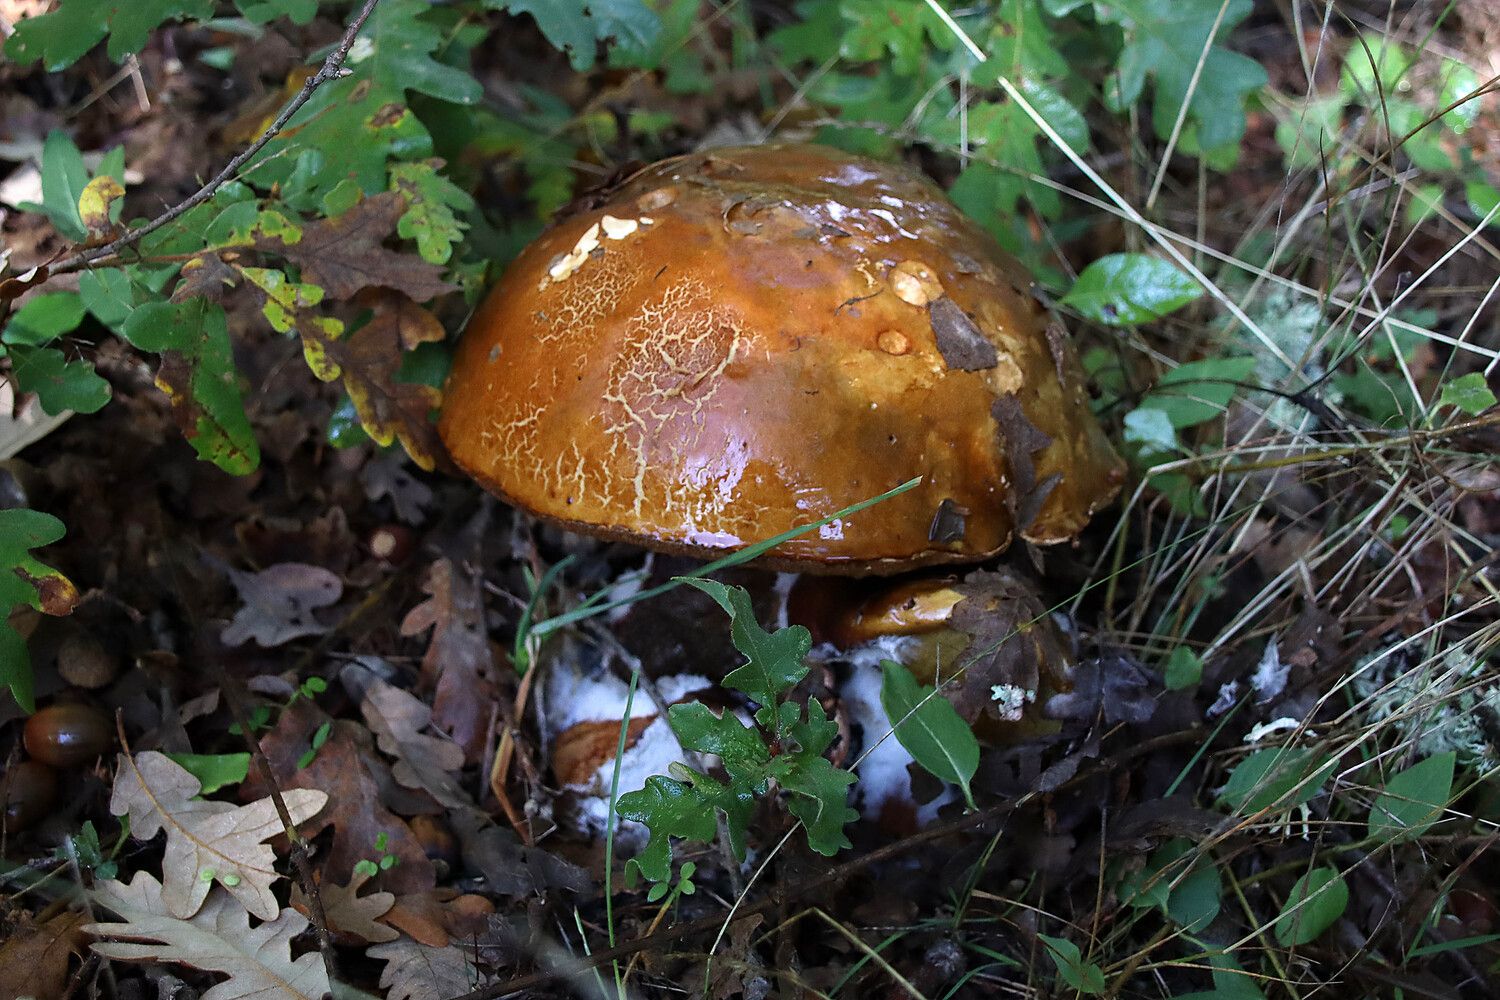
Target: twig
column 332, row 69
column 300, row 860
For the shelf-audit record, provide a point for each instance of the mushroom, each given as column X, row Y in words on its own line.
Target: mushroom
column 734, row 343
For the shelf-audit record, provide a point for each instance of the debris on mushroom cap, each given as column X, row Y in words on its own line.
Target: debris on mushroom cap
column 738, row 342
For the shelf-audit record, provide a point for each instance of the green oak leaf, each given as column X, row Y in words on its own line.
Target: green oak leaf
column 670, row 807
column 1164, row 40
column 774, row 658
column 432, row 201
column 62, row 37
column 199, row 377
column 25, row 580
column 576, row 27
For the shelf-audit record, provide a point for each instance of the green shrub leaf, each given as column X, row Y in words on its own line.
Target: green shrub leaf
column 25, row 580
column 1315, row 902
column 1085, row 977
column 1470, row 393
column 198, row 375
column 1122, row 289
column 44, row 318
column 1413, row 800
column 929, row 727
column 59, row 384
column 1199, row 391
column 214, row 770
column 1280, row 777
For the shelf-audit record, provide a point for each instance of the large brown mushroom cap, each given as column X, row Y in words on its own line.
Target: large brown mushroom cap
column 737, row 342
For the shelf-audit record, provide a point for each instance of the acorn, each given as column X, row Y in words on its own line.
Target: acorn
column 83, row 661
column 28, row 791
column 68, row 735
column 391, row 543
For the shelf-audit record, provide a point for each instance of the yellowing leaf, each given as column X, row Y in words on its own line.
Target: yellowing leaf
column 94, row 206
column 369, row 361
column 219, row 938
column 207, row 841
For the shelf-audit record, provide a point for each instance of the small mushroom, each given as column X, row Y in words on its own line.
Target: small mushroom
column 737, row 343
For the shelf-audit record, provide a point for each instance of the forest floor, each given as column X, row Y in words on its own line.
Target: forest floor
column 1270, row 770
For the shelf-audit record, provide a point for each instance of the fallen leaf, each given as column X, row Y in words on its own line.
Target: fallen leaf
column 386, row 476
column 746, row 974
column 350, row 914
column 1115, row 687
column 347, row 770
column 207, row 841
column 345, row 254
column 510, row 867
column 34, row 959
column 279, row 603
column 397, row 719
column 258, row 960
column 458, row 660
column 417, row 972
column 419, row 915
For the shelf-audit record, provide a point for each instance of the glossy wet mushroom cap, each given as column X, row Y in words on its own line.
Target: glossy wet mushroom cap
column 737, row 342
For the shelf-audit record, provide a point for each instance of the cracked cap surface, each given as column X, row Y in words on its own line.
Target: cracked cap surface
column 740, row 341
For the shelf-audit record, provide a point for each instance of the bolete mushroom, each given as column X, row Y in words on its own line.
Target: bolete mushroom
column 731, row 344
column 734, row 343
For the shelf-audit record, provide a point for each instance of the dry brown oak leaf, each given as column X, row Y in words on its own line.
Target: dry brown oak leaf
column 369, row 361
column 258, row 960
column 458, row 659
column 348, row 913
column 279, row 603
column 397, row 719
column 345, row 254
column 207, row 842
column 416, row 972
column 34, row 959
column 347, row 769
